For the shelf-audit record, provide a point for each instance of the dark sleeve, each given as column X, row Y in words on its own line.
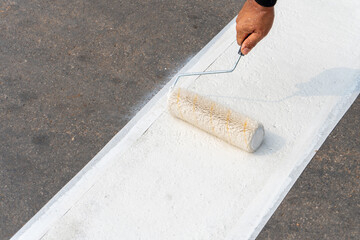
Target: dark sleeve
column 266, row 3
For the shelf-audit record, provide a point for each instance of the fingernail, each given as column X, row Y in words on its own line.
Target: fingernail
column 245, row 50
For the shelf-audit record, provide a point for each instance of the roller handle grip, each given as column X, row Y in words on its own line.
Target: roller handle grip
column 240, row 53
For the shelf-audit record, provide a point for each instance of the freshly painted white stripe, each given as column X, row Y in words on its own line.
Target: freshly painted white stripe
column 160, row 178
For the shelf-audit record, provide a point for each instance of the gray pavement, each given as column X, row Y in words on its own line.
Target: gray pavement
column 73, row 73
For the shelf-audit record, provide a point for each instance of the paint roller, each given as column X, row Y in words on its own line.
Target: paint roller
column 214, row 118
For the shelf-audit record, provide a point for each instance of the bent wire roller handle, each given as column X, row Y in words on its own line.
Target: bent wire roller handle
column 208, row 72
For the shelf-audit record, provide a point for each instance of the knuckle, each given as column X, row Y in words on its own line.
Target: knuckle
column 240, row 24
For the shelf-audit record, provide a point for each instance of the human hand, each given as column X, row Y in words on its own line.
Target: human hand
column 253, row 23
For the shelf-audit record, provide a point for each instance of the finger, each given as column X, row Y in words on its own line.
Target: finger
column 241, row 36
column 250, row 42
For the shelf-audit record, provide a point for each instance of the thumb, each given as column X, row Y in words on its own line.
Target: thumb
column 250, row 42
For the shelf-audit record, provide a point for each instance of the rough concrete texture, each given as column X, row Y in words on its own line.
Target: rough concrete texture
column 324, row 202
column 72, row 74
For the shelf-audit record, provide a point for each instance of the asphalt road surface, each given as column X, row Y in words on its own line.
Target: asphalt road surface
column 73, row 73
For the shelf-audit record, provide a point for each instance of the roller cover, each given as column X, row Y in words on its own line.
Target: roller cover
column 216, row 119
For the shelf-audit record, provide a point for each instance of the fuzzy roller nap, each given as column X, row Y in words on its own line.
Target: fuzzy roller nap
column 216, row 119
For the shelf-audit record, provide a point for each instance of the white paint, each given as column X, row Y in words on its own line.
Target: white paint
column 161, row 178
